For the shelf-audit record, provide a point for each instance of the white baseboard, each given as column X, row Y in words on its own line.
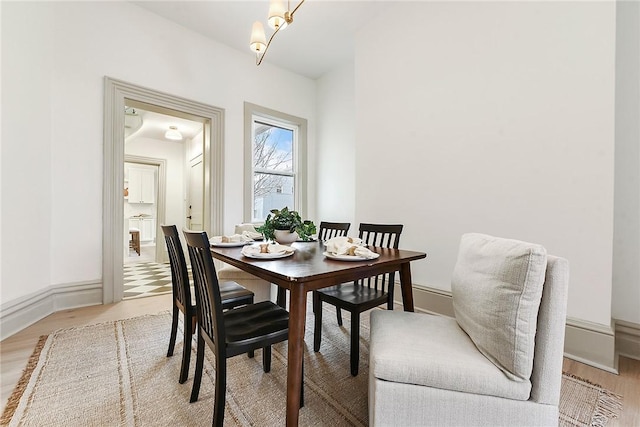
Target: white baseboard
column 591, row 343
column 586, row 342
column 628, row 339
column 17, row 314
column 429, row 300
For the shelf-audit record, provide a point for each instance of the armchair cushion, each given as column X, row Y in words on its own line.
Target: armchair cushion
column 440, row 355
column 496, row 287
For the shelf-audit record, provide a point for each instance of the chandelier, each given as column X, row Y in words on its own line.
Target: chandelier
column 278, row 19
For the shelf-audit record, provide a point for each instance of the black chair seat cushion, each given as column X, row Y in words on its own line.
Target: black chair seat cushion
column 254, row 322
column 233, row 294
column 348, row 295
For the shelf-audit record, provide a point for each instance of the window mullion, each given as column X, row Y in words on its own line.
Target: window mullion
column 273, row 172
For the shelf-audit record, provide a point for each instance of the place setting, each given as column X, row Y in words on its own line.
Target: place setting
column 235, row 240
column 345, row 248
column 267, row 251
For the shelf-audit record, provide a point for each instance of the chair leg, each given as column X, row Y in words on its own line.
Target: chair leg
column 339, row 316
column 390, row 305
column 317, row 326
column 355, row 342
column 251, row 354
column 266, row 358
column 197, row 377
column 174, row 330
column 219, row 397
column 281, row 297
column 186, row 349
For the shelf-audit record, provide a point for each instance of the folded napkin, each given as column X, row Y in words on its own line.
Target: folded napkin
column 340, row 245
column 365, row 252
column 253, row 235
column 234, row 238
column 272, row 248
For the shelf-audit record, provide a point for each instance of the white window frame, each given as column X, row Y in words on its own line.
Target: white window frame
column 253, row 112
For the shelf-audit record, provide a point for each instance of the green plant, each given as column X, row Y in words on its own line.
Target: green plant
column 284, row 219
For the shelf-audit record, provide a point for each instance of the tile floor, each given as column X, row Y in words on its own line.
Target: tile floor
column 147, row 254
column 146, row 279
column 143, row 277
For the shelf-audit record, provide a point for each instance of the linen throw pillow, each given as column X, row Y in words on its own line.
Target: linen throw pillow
column 497, row 287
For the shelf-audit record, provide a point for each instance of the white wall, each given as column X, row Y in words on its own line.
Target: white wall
column 336, row 147
column 173, row 152
column 26, row 151
column 626, row 243
column 54, row 59
column 500, row 118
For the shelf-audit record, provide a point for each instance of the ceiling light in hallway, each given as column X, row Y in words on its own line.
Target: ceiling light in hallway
column 173, row 134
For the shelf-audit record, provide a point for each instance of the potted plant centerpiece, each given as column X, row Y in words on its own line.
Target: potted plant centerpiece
column 285, row 226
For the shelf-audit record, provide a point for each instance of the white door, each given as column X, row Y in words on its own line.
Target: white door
column 195, row 204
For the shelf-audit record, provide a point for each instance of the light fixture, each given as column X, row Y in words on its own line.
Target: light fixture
column 173, row 134
column 278, row 18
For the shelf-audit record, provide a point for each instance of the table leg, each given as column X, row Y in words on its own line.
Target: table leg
column 297, row 316
column 405, row 284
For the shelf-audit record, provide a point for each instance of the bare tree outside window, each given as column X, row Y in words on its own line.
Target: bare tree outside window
column 273, row 177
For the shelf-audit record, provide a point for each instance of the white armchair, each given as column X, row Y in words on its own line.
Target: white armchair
column 261, row 288
column 499, row 362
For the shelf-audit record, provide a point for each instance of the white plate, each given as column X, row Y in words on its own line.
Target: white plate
column 282, row 254
column 229, row 244
column 347, row 257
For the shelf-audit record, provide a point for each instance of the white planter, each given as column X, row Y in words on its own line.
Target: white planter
column 285, row 237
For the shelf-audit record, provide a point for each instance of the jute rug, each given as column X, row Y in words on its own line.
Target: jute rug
column 117, row 374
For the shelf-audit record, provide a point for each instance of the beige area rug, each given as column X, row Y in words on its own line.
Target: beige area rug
column 117, row 374
column 583, row 403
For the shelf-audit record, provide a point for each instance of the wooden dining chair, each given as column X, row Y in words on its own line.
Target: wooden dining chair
column 327, row 229
column 361, row 295
column 228, row 333
column 233, row 295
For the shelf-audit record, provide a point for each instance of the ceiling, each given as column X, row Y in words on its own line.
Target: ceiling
column 320, row 38
column 148, row 124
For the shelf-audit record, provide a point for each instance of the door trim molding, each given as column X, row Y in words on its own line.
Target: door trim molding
column 116, row 94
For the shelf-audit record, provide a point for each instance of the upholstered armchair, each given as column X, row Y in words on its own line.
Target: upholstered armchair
column 498, row 362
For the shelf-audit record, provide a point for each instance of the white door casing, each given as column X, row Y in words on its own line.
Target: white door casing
column 195, row 205
column 117, row 94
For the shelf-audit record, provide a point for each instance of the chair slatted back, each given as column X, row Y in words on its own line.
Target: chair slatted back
column 208, row 300
column 384, row 236
column 179, row 274
column 329, row 230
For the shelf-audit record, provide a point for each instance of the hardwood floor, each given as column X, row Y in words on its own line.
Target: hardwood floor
column 15, row 351
column 626, row 384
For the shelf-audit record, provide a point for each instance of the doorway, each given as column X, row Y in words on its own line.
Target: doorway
column 119, row 95
column 144, row 208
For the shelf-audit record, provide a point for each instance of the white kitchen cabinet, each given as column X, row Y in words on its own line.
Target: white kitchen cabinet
column 142, row 185
column 147, row 227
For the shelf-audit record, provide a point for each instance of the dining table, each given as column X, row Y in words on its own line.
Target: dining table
column 309, row 268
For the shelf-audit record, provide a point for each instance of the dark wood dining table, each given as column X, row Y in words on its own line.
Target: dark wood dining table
column 306, row 270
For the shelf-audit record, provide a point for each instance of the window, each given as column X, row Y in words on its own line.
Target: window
column 275, row 162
